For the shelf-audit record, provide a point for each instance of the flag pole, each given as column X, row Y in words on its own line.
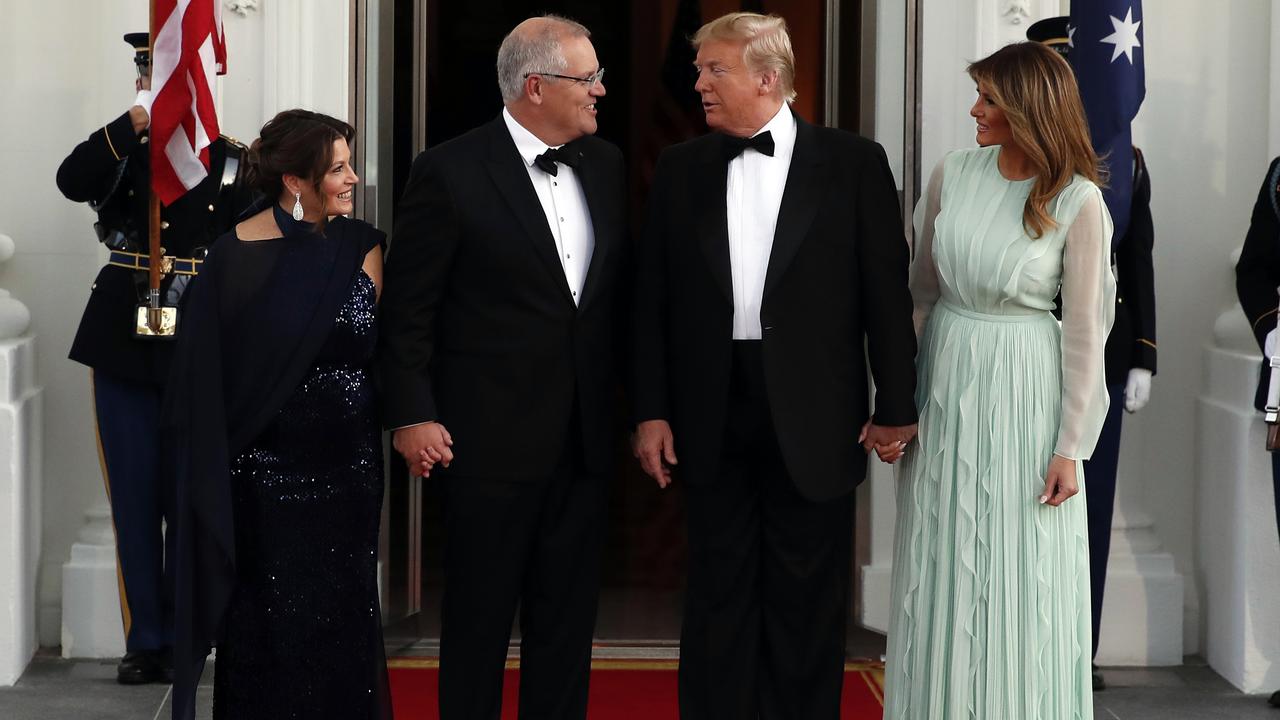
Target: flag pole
column 154, row 316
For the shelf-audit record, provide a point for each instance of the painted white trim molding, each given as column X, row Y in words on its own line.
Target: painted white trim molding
column 21, row 413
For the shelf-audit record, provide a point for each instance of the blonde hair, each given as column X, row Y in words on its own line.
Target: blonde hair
column 768, row 45
column 1037, row 91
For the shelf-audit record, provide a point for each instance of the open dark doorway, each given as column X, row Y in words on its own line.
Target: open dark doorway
column 649, row 105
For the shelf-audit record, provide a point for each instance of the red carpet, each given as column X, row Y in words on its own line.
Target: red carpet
column 620, row 690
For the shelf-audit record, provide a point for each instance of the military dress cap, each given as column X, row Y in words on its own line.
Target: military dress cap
column 1052, row 32
column 141, row 43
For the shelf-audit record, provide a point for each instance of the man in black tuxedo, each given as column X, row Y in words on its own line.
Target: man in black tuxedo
column 772, row 252
column 498, row 363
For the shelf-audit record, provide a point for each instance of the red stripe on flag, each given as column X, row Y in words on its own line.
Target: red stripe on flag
column 183, row 117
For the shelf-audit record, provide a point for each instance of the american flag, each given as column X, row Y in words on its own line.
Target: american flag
column 189, row 50
column 1106, row 38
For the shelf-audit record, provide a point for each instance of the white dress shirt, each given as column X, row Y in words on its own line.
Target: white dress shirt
column 564, row 204
column 753, row 194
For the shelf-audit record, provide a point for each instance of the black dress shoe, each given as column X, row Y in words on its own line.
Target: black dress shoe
column 1098, row 683
column 140, row 667
column 1274, row 700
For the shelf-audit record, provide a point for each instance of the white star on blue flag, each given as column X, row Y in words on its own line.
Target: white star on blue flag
column 1112, row 91
column 1125, row 37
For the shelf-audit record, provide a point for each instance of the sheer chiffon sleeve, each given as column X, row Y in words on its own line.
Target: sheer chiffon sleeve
column 924, row 274
column 1088, row 307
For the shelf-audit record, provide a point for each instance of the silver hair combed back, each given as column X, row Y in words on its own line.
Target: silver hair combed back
column 526, row 52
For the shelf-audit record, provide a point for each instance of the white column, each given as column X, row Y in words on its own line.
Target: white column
column 20, row 454
column 1142, row 609
column 91, row 621
column 1239, row 560
column 1274, row 46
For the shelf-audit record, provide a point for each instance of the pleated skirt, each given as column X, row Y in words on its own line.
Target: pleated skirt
column 990, row 588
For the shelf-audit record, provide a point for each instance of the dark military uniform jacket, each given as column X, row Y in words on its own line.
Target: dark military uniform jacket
column 1258, row 270
column 111, row 171
column 1132, row 343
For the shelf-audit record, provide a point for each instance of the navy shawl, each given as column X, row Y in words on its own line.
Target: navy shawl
column 254, row 321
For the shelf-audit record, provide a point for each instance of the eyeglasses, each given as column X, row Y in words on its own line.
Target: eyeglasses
column 591, row 80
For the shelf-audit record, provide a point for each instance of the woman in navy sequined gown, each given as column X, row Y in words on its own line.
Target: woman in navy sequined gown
column 278, row 528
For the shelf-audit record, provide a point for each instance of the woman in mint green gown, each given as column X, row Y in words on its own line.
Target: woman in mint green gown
column 991, row 567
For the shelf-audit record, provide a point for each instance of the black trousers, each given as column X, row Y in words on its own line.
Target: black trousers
column 140, row 489
column 1100, row 492
column 769, row 574
column 533, row 543
column 1275, row 483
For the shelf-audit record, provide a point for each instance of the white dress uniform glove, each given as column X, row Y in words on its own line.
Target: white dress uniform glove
column 144, row 101
column 1137, row 390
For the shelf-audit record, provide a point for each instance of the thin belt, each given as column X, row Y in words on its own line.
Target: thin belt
column 1034, row 316
column 169, row 265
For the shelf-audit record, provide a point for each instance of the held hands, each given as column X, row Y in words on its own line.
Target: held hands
column 889, row 442
column 1137, row 390
column 1060, row 482
column 655, row 448
column 422, row 446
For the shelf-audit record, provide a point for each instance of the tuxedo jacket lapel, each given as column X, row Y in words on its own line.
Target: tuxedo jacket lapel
column 713, row 221
column 602, row 221
column 509, row 174
column 799, row 203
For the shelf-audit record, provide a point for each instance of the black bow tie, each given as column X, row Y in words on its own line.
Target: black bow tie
column 564, row 154
column 733, row 146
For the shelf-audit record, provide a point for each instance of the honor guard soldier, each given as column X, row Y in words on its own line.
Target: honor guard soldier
column 1130, row 351
column 129, row 358
column 1257, row 284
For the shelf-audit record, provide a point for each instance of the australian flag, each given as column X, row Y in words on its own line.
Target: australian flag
column 1106, row 52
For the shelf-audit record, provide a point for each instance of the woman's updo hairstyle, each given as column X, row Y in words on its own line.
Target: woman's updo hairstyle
column 294, row 142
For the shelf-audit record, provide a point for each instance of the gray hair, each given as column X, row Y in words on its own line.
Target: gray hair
column 534, row 50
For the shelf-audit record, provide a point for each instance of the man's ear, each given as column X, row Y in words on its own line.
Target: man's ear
column 533, row 86
column 768, row 83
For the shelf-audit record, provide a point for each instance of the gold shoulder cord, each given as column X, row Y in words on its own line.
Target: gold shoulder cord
column 107, row 131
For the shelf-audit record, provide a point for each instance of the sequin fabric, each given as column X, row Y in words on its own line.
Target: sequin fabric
column 303, row 632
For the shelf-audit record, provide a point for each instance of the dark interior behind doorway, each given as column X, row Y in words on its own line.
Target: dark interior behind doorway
column 650, row 104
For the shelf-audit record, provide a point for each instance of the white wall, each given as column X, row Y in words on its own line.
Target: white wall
column 69, row 72
column 1204, row 129
column 85, row 79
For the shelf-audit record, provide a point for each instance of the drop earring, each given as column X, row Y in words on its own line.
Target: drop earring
column 297, row 206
